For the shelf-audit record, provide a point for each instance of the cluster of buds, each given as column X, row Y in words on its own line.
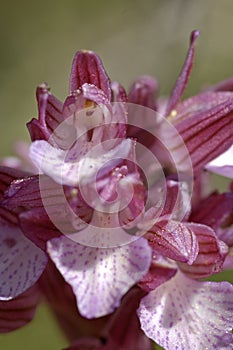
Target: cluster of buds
column 107, row 215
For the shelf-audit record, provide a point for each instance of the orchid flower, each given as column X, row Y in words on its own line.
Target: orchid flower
column 116, row 220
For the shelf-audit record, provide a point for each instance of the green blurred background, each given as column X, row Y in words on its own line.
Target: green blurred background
column 38, row 41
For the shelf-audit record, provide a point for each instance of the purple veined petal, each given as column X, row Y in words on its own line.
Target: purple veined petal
column 183, row 78
column 177, row 200
column 143, row 92
column 18, row 312
column 199, row 104
column 50, row 115
column 202, row 187
column 99, row 277
column 22, row 262
column 213, row 209
column 34, row 191
column 119, row 110
column 133, row 193
column 8, row 175
column 87, row 67
column 45, row 209
column 31, row 192
column 161, row 270
column 206, row 135
column 188, row 314
column 38, row 228
column 51, row 161
column 173, row 240
column 211, row 255
column 142, row 119
column 8, row 217
column 123, row 329
column 223, row 164
column 216, row 211
column 118, row 92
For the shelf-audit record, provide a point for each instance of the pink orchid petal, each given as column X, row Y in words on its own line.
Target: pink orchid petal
column 216, row 211
column 37, row 192
column 22, row 262
column 143, row 92
column 177, row 200
column 46, row 209
column 206, row 134
column 213, row 209
column 18, row 312
column 50, row 115
column 174, row 240
column 37, row 227
column 32, row 192
column 123, row 329
column 187, row 314
column 223, row 164
column 7, row 175
column 119, row 110
column 199, row 104
column 118, row 92
column 51, row 161
column 87, row 67
column 99, row 277
column 211, row 254
column 183, row 78
column 7, row 216
column 132, row 192
column 161, row 270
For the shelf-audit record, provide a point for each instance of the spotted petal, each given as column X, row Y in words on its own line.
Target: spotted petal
column 186, row 314
column 99, row 277
column 21, row 261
